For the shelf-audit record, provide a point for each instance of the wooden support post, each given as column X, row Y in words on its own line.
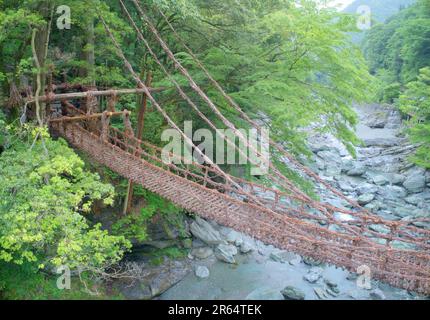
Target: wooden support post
column 143, row 99
column 105, row 127
column 143, row 102
column 205, row 183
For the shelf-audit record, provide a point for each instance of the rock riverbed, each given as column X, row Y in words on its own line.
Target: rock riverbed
column 225, row 264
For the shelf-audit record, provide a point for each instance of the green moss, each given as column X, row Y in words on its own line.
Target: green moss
column 158, row 256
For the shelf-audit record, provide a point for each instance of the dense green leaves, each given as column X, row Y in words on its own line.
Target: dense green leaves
column 291, row 65
column 43, row 200
column 402, row 45
column 415, row 102
column 134, row 226
column 399, row 53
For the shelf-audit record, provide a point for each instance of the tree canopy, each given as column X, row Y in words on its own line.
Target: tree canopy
column 415, row 102
column 44, row 200
column 399, row 54
column 401, row 46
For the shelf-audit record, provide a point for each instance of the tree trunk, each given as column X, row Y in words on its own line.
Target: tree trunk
column 88, row 55
column 142, row 102
column 41, row 47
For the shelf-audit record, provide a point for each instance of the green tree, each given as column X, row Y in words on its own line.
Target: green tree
column 292, row 65
column 415, row 102
column 401, row 46
column 43, row 203
column 399, row 53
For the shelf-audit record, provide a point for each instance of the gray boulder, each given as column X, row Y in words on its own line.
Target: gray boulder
column 313, row 275
column 380, row 180
column 333, row 286
column 330, row 156
column 415, row 183
column 366, row 198
column 338, row 203
column 246, row 247
column 357, row 170
column 234, row 237
column 339, row 216
column 394, row 120
column 377, row 121
column 415, row 199
column 311, row 262
column 379, row 228
column 318, row 143
column 404, row 211
column 358, row 295
column 332, row 293
column 167, row 276
column 381, row 142
column 137, row 291
column 377, row 294
column 333, row 171
column 347, row 165
column 285, row 257
column 202, row 230
column 345, row 186
column 397, row 179
column 393, row 192
column 320, row 293
column 352, row 276
column 226, row 253
column 202, row 272
column 365, row 153
column 265, row 294
column 402, row 245
column 373, row 206
column 292, row 293
column 320, row 163
column 421, row 213
column 365, row 188
column 202, row 253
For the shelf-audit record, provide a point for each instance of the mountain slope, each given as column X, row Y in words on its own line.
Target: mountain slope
column 381, row 9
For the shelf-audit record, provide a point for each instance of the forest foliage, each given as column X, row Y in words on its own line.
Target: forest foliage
column 399, row 55
column 44, row 200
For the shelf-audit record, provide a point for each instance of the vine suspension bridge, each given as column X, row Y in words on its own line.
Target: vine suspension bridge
column 283, row 216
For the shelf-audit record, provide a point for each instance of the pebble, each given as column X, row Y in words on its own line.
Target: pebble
column 202, row 272
column 313, row 275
